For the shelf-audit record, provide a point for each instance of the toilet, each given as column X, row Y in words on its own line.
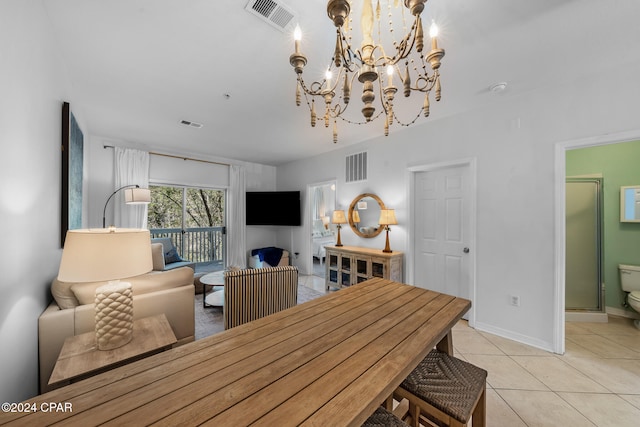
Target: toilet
column 630, row 281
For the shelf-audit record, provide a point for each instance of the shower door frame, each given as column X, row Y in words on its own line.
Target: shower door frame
column 601, row 308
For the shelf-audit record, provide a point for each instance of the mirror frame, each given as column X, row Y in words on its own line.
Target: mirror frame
column 352, row 207
column 624, row 201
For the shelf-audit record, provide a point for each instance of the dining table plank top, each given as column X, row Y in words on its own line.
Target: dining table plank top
column 330, row 361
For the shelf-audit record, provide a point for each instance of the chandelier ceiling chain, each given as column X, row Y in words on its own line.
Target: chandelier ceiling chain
column 407, row 61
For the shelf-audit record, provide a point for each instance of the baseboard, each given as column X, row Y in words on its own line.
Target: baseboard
column 522, row 339
column 585, row 316
column 620, row 312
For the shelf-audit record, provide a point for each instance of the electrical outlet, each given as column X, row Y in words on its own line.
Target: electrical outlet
column 514, row 300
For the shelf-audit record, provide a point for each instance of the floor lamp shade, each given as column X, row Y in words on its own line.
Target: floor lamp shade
column 137, row 196
column 93, row 255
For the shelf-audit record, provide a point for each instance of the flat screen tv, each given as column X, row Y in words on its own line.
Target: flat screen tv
column 273, row 208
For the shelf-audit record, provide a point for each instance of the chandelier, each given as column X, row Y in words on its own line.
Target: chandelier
column 368, row 64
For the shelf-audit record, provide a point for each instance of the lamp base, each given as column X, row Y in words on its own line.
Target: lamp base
column 114, row 315
column 338, row 241
column 387, row 248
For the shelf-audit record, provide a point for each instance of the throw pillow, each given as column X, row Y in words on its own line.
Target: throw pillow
column 172, row 256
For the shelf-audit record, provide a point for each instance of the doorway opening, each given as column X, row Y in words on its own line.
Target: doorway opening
column 194, row 220
column 561, row 149
column 322, row 204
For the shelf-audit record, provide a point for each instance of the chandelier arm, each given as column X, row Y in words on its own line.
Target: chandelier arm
column 429, row 82
column 404, row 48
column 310, row 89
column 353, row 56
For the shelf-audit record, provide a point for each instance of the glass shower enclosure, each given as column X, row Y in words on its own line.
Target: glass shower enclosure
column 583, row 255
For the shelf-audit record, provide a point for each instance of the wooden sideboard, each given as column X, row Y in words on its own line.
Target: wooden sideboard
column 349, row 265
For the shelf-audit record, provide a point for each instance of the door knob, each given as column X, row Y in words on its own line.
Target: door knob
column 465, row 250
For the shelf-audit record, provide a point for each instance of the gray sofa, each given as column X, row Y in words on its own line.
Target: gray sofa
column 170, row 258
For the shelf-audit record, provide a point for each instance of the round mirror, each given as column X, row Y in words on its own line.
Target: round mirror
column 364, row 214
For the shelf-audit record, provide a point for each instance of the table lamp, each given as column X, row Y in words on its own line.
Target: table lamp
column 325, row 222
column 338, row 218
column 387, row 218
column 355, row 217
column 92, row 255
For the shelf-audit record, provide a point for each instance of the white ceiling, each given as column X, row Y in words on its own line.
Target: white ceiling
column 138, row 67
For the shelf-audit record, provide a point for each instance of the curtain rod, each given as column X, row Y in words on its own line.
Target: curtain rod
column 179, row 157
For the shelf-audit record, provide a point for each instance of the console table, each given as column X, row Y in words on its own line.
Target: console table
column 349, row 265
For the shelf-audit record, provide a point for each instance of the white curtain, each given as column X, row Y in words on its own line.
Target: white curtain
column 318, row 203
column 131, row 167
column 236, row 218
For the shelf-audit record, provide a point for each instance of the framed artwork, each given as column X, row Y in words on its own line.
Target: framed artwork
column 72, row 167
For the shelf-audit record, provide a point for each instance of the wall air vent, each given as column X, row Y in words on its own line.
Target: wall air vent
column 191, row 124
column 273, row 12
column 356, row 167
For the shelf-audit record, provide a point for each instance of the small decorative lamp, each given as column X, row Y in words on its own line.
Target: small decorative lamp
column 339, row 218
column 355, row 217
column 387, row 218
column 92, row 255
column 325, row 222
column 133, row 195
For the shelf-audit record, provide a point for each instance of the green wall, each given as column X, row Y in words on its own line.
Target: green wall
column 619, row 165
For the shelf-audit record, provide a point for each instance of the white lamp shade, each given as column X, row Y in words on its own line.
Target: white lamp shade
column 137, row 196
column 355, row 217
column 339, row 217
column 387, row 217
column 92, row 255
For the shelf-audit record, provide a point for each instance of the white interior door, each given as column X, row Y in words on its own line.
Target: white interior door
column 442, row 239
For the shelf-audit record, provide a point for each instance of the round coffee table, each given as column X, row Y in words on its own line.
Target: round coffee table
column 214, row 282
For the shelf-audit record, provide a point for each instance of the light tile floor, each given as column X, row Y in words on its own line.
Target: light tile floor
column 595, row 383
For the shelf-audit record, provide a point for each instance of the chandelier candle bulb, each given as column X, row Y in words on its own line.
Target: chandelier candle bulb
column 297, row 36
column 433, row 33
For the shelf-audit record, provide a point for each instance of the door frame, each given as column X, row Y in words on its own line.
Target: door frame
column 412, row 171
column 560, row 217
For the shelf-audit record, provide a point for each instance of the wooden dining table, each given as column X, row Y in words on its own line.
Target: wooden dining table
column 328, row 362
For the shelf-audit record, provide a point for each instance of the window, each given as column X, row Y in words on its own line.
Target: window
column 194, row 219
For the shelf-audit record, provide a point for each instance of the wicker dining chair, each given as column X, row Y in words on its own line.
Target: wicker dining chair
column 445, row 390
column 383, row 418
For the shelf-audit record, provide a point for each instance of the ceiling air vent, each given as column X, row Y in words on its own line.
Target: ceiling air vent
column 356, row 167
column 191, row 124
column 273, row 12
